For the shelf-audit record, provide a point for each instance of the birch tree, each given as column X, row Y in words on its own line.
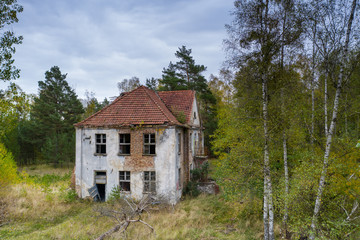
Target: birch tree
column 341, row 15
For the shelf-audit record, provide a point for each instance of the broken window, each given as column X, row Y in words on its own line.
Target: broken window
column 124, row 144
column 149, row 143
column 124, row 181
column 100, row 143
column 149, row 182
column 179, row 142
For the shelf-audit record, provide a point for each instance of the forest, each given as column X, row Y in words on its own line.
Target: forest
column 281, row 117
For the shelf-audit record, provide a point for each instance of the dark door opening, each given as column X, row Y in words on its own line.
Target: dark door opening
column 101, row 190
column 100, row 182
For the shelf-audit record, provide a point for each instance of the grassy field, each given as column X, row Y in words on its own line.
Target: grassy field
column 42, row 206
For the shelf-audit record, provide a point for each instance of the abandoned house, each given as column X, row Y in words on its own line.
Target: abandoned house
column 143, row 142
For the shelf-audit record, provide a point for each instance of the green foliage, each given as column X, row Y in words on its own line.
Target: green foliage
column 191, row 189
column 9, row 11
column 48, row 179
column 8, row 168
column 54, row 112
column 14, row 109
column 152, row 83
column 180, row 115
column 69, row 195
column 200, row 174
column 185, row 74
column 197, row 175
column 115, row 194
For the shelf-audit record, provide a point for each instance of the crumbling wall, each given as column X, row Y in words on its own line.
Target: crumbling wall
column 163, row 162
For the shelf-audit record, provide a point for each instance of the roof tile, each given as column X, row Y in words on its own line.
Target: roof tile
column 143, row 106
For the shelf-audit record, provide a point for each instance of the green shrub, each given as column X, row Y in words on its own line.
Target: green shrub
column 191, row 189
column 115, row 194
column 8, row 168
column 69, row 195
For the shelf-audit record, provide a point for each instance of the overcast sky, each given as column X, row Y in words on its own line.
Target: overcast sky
column 100, row 42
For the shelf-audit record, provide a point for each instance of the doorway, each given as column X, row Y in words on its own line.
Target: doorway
column 100, row 182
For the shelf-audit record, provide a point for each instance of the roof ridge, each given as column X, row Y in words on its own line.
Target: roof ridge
column 160, row 108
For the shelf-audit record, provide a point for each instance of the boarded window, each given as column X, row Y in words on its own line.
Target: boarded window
column 149, row 182
column 124, row 144
column 149, row 144
column 124, row 181
column 100, row 143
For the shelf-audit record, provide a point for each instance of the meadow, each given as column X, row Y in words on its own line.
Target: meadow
column 43, row 206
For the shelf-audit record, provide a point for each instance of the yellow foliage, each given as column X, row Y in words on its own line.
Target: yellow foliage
column 8, row 173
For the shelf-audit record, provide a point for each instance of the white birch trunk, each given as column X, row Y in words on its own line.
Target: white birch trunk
column 313, row 91
column 267, row 177
column 325, row 105
column 332, row 126
column 266, row 209
column 286, row 173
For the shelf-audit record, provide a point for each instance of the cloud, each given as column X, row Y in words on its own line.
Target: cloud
column 99, row 43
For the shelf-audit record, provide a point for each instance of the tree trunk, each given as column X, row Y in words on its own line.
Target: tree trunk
column 286, row 173
column 332, row 125
column 268, row 210
column 325, row 105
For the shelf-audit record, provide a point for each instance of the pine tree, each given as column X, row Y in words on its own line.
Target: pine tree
column 185, row 74
column 55, row 111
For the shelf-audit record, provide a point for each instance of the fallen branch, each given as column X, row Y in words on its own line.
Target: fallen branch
column 127, row 212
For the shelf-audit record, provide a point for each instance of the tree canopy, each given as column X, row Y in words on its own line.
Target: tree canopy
column 53, row 114
column 9, row 10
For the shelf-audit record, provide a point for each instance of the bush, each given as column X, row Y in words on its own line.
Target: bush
column 191, row 189
column 115, row 194
column 200, row 174
column 8, row 168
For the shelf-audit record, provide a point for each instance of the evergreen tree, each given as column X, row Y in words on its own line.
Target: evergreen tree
column 170, row 80
column 185, row 74
column 152, row 83
column 55, row 111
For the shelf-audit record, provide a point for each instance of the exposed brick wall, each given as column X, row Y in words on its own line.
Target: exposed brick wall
column 137, row 161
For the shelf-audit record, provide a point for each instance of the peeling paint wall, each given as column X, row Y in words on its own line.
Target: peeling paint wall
column 165, row 162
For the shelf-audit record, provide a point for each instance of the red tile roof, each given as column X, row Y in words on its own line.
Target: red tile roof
column 142, row 106
column 179, row 101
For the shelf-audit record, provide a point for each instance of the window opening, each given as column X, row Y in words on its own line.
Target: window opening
column 150, row 182
column 149, row 144
column 100, row 143
column 124, row 181
column 124, row 143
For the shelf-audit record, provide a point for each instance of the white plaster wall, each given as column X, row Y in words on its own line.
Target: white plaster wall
column 195, row 122
column 87, row 163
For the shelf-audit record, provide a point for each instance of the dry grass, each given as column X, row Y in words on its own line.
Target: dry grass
column 40, row 211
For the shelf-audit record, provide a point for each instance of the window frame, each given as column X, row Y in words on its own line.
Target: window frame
column 124, row 144
column 101, row 145
column 149, row 179
column 147, row 145
column 126, row 180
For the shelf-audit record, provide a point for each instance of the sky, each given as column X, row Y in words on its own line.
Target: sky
column 98, row 43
